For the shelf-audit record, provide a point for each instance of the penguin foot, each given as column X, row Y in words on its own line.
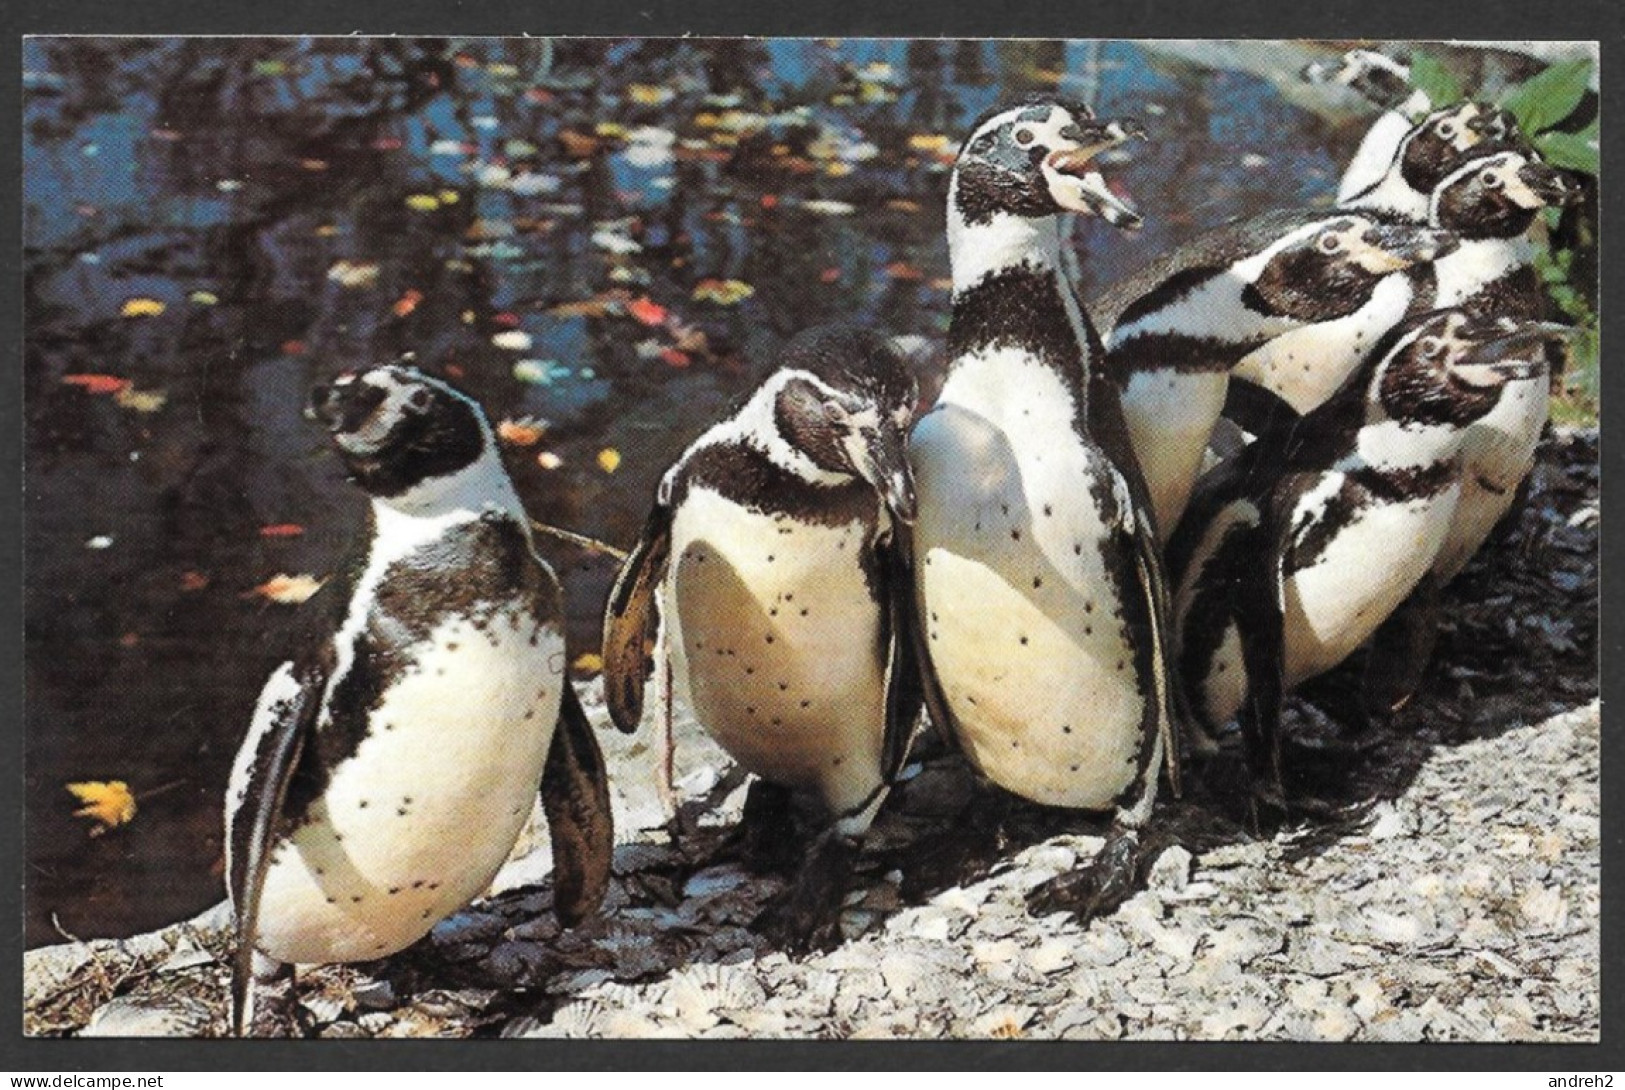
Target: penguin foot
column 274, row 1008
column 765, row 839
column 807, row 916
column 1111, row 878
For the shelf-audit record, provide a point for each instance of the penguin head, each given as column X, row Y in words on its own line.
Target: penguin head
column 1037, row 159
column 1374, row 76
column 396, row 428
column 1497, row 195
column 1448, row 367
column 845, row 400
column 1328, row 269
column 1446, row 138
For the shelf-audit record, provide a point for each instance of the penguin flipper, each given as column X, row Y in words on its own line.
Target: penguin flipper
column 575, row 797
column 1261, row 625
column 1173, row 717
column 283, row 721
column 906, row 685
column 631, row 620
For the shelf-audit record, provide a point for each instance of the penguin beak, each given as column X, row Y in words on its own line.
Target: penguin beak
column 1550, row 185
column 1077, row 186
column 880, row 459
column 1523, row 352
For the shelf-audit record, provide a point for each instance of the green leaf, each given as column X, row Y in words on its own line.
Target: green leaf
column 1571, row 150
column 1432, row 78
column 1543, row 100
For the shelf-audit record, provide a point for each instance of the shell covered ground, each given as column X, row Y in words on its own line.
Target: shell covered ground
column 1442, row 882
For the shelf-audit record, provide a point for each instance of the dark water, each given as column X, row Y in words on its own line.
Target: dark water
column 301, row 206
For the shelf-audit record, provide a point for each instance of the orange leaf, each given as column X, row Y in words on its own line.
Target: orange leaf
column 282, row 529
column 521, row 433
column 109, row 803
column 407, row 303
column 288, row 590
column 646, row 311
column 193, row 580
column 902, row 270
column 97, row 384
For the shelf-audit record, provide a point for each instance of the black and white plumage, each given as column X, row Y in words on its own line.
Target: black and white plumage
column 1304, row 366
column 770, row 579
column 1037, row 574
column 1294, row 551
column 1174, row 331
column 391, row 765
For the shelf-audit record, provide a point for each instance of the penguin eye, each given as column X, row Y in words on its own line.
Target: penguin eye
column 1491, row 180
column 1432, row 347
column 1024, row 136
column 1330, row 243
column 1447, row 128
column 418, row 400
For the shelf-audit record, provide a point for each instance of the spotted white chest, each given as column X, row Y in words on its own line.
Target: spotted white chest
column 1024, row 627
column 1367, row 568
column 1305, row 366
column 1170, row 417
column 1497, row 453
column 777, row 643
column 1477, row 263
column 417, row 822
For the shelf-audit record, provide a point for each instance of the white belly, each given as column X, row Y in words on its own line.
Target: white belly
column 776, row 645
column 1497, row 453
column 1024, row 629
column 1170, row 417
column 1305, row 366
column 1364, row 573
column 416, row 824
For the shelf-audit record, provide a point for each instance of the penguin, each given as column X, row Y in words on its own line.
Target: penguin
column 1295, row 551
column 1492, row 204
column 1174, row 331
column 1038, row 580
column 1384, row 82
column 771, row 578
column 1304, row 366
column 390, row 765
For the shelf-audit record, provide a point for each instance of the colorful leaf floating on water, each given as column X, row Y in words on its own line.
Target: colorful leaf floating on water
column 288, row 590
column 141, row 308
column 514, row 340
column 524, row 432
column 407, row 303
column 141, row 401
column 97, row 384
column 646, row 311
column 422, row 202
column 108, row 803
column 353, row 274
column 282, row 529
column 548, row 460
column 609, row 459
column 722, row 292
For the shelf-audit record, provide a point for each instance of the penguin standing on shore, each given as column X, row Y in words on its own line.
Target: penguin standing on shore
column 390, row 767
column 1294, row 551
column 1174, row 331
column 1491, row 203
column 771, row 578
column 1037, row 574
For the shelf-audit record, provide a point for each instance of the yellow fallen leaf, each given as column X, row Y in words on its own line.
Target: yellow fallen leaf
column 423, row 202
column 722, row 292
column 929, row 141
column 610, row 130
column 141, row 308
column 588, row 662
column 204, row 298
column 609, row 459
column 288, row 589
column 548, row 460
column 648, row 94
column 108, row 803
column 141, row 401
column 448, row 196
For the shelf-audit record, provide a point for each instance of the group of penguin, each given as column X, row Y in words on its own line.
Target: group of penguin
column 1101, row 545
